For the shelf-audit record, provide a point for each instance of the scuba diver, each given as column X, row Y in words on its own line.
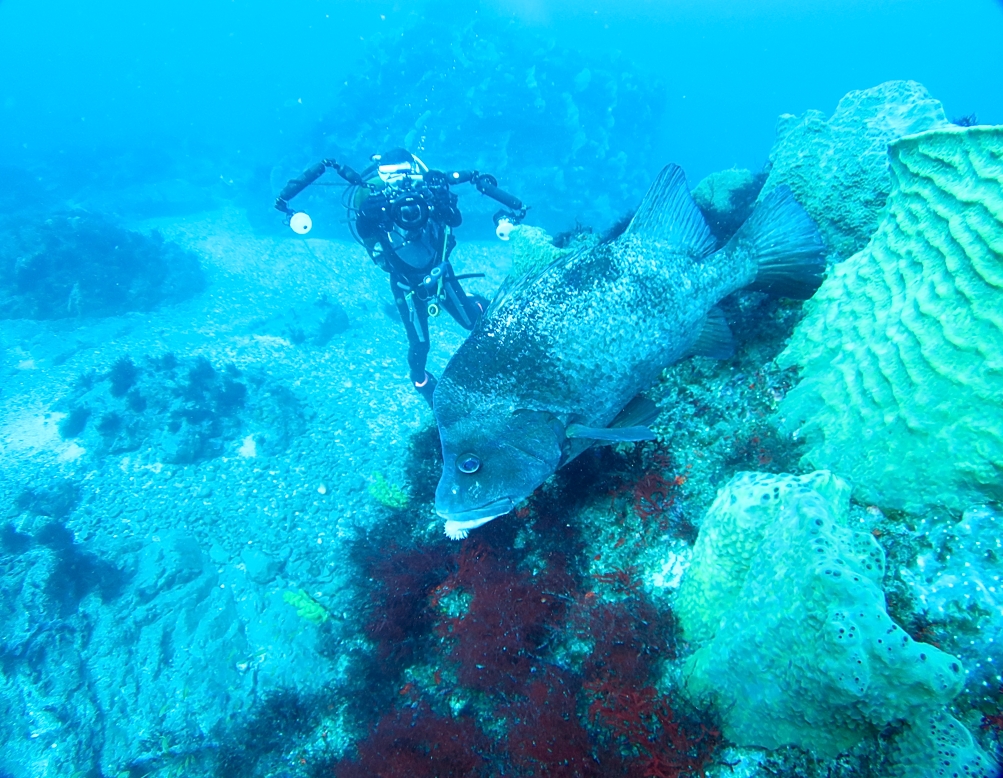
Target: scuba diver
column 403, row 214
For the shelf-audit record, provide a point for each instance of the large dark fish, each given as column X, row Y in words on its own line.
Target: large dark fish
column 561, row 354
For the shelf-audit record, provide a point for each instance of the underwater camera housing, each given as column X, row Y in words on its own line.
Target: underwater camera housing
column 410, row 211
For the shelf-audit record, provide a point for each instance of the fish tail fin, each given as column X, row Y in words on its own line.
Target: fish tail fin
column 785, row 243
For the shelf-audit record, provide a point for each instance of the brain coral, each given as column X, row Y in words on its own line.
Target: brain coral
column 838, row 168
column 785, row 605
column 901, row 350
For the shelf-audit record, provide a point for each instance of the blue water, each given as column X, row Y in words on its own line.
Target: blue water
column 244, row 83
column 219, row 547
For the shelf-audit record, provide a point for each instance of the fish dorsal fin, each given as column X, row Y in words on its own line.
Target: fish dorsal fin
column 667, row 214
column 715, row 339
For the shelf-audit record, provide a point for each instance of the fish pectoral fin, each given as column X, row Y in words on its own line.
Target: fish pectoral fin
column 639, row 412
column 609, row 435
column 715, row 338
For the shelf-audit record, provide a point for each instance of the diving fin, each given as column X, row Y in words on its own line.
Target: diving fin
column 715, row 339
column 787, row 245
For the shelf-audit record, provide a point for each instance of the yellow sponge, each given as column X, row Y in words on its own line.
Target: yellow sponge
column 901, row 350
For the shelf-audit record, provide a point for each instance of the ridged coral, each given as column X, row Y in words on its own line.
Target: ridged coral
column 838, row 167
column 901, row 350
column 784, row 602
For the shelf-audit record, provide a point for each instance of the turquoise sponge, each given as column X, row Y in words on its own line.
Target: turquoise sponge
column 784, row 603
column 938, row 746
column 901, row 349
column 838, row 167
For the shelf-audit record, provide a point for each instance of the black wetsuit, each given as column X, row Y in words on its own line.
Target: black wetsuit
column 405, row 226
column 410, row 255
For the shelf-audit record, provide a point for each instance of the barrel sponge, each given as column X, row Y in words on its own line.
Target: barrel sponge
column 532, row 250
column 728, row 541
column 838, row 167
column 901, row 349
column 938, row 746
column 793, row 643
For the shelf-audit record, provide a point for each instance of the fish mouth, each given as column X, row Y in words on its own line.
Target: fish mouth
column 488, row 511
column 458, row 525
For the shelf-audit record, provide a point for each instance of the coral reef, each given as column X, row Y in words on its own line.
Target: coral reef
column 414, row 742
column 78, row 264
column 500, row 649
column 569, row 134
column 726, row 199
column 838, row 167
column 899, row 351
column 497, row 640
column 794, row 646
column 955, row 583
column 187, row 411
column 398, row 609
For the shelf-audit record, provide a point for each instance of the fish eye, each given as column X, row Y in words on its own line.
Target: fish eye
column 468, row 464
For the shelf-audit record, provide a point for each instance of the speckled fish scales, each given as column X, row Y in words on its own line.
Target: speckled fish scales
column 588, row 333
column 561, row 353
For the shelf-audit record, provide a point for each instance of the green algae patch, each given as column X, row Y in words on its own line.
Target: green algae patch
column 307, row 607
column 387, row 494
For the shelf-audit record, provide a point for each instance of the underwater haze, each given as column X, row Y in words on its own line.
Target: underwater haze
column 112, row 91
column 506, row 387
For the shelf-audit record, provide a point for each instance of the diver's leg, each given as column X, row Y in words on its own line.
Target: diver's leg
column 414, row 316
column 465, row 308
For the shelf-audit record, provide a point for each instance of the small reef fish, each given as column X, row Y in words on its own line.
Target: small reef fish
column 557, row 363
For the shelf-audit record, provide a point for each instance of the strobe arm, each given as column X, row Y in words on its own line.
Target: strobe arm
column 488, row 185
column 307, row 177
